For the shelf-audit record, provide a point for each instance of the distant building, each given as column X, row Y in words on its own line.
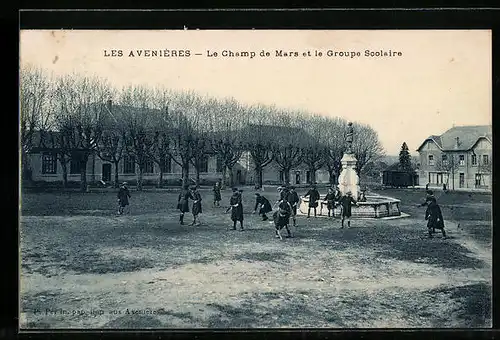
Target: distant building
column 396, row 176
column 459, row 158
column 45, row 167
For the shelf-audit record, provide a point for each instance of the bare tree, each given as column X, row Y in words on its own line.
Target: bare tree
column 448, row 164
column 82, row 103
column 334, row 131
column 226, row 141
column 259, row 139
column 138, row 134
column 182, row 131
column 314, row 146
column 112, row 144
column 366, row 146
column 287, row 151
column 201, row 143
column 36, row 110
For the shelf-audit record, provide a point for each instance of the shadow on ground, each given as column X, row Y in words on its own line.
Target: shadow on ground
column 401, row 243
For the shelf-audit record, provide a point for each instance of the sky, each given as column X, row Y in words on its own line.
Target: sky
column 443, row 78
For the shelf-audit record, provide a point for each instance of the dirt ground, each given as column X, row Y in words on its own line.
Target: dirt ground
column 82, row 266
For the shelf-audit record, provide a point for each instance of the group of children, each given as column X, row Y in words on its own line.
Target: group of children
column 287, row 205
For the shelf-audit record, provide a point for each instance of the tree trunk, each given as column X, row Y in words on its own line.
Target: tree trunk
column 185, row 174
column 231, row 177
column 93, row 168
column 115, row 184
column 197, row 176
column 160, row 179
column 312, row 171
column 139, row 178
column 286, row 175
column 65, row 172
column 83, row 173
column 258, row 177
column 224, row 179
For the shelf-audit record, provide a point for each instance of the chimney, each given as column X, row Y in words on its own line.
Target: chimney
column 109, row 103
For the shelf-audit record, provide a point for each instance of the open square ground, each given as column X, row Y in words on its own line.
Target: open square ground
column 82, row 266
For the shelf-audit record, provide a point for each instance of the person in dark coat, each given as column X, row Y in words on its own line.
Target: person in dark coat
column 196, row 197
column 281, row 218
column 284, row 192
column 434, row 218
column 330, row 202
column 217, row 196
column 429, row 198
column 236, row 206
column 183, row 202
column 123, row 196
column 265, row 206
column 313, row 200
column 293, row 199
column 346, row 202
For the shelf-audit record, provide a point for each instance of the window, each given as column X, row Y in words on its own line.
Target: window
column 461, row 160
column 204, row 165
column 49, row 163
column 478, row 180
column 474, row 160
column 74, row 166
column 282, row 176
column 444, row 159
column 149, row 167
column 461, row 180
column 219, row 164
column 486, row 160
column 431, row 159
column 167, row 165
column 129, row 165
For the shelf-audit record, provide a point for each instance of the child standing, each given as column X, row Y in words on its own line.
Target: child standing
column 123, row 196
column 196, row 197
column 217, row 196
column 183, row 203
column 346, row 203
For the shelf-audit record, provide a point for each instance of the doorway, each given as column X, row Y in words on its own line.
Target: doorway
column 297, row 177
column 106, row 172
column 461, row 180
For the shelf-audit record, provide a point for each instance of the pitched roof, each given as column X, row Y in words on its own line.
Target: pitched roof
column 398, row 168
column 467, row 136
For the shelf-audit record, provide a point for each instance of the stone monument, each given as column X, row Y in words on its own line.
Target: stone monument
column 348, row 178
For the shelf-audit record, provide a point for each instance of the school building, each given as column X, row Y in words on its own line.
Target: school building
column 459, row 158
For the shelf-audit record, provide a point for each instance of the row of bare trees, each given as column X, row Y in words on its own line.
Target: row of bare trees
column 77, row 116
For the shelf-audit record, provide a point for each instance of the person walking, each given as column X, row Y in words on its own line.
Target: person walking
column 265, row 206
column 236, row 207
column 196, row 197
column 346, row 202
column 314, row 197
column 217, row 195
column 183, row 202
column 281, row 218
column 293, row 199
column 123, row 196
column 330, row 202
column 434, row 218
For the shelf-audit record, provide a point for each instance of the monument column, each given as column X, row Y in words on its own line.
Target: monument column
column 348, row 178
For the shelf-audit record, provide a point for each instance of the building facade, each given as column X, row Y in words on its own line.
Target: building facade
column 459, row 158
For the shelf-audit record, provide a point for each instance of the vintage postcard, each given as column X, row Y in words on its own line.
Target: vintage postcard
column 255, row 179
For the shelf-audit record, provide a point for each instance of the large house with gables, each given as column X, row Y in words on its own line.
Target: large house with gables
column 459, row 158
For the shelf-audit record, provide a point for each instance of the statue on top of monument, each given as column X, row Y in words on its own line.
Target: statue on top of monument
column 350, row 132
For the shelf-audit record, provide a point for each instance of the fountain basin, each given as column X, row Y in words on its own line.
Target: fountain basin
column 375, row 207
